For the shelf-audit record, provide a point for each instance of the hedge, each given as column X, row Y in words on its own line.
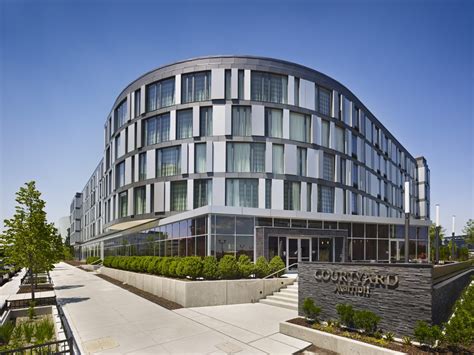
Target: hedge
column 195, row 267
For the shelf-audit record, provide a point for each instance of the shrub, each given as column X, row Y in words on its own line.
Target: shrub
column 6, row 331
column 460, row 329
column 180, row 267
column 346, row 314
column 228, row 268
column 158, row 266
column 261, row 267
column 31, row 310
column 108, row 261
column 310, row 310
column 210, row 268
column 165, row 265
column 151, row 265
column 389, row 336
column 193, row 267
column 246, row 267
column 366, row 320
column 28, row 331
column 406, row 340
column 172, row 267
column 426, row 334
column 44, row 331
column 276, row 264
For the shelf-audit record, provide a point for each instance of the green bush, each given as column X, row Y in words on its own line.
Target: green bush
column 426, row 334
column 366, row 321
column 346, row 314
column 276, row 264
column 310, row 310
column 108, row 261
column 245, row 265
column 165, row 266
column 228, row 268
column 460, row 329
column 389, row 336
column 6, row 331
column 192, row 267
column 261, row 267
column 210, row 268
column 180, row 266
column 152, row 264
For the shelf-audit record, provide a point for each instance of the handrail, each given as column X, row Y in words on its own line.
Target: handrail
column 278, row 271
column 96, row 262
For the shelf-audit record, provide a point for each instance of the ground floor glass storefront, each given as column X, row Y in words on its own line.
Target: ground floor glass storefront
column 221, row 235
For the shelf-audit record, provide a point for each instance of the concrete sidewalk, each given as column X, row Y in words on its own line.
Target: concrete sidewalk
column 108, row 319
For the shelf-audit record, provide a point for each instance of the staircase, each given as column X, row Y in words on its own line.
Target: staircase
column 285, row 298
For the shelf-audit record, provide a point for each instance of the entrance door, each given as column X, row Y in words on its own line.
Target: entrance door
column 299, row 249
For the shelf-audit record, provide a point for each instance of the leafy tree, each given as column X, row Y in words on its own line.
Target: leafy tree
column 468, row 230
column 29, row 240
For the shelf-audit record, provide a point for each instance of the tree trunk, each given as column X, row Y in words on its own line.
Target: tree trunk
column 32, row 285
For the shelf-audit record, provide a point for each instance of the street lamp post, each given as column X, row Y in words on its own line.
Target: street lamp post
column 407, row 219
column 437, row 228
column 452, row 239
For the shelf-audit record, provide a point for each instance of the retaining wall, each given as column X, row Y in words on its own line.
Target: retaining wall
column 200, row 293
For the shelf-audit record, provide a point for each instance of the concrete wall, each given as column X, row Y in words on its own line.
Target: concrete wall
column 200, row 293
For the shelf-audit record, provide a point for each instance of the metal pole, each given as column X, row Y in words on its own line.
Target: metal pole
column 407, row 227
column 437, row 245
column 452, row 247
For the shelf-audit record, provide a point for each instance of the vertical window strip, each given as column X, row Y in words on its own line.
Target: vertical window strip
column 169, row 161
column 205, row 124
column 184, row 124
column 241, row 121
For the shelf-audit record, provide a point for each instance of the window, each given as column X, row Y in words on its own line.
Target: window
column 355, row 175
column 205, row 122
column 354, row 145
column 328, row 167
column 325, row 199
column 123, row 204
column 120, row 175
column 309, row 189
column 140, row 199
column 300, row 127
column 269, row 87
column 118, row 147
column 292, row 196
column 202, row 192
column 120, row 115
column 242, row 192
column 240, row 84
column 160, row 94
column 184, row 124
column 178, row 191
column 268, row 193
column 340, row 139
column 355, row 209
column 138, row 102
column 342, row 172
column 157, row 129
column 297, row 91
column 324, row 101
column 142, row 167
column 200, row 158
column 246, row 157
column 273, row 123
column 278, row 158
column 301, row 161
column 195, row 87
column 241, row 121
column 228, row 83
column 355, row 118
column 325, row 133
column 168, row 161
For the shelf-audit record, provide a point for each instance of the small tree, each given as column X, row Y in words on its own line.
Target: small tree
column 310, row 310
column 29, row 240
column 468, row 230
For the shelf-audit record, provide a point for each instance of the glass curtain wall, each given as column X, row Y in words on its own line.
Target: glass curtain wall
column 241, row 121
column 273, row 123
column 157, row 129
column 300, row 127
column 160, row 94
column 269, row 87
column 168, row 161
column 246, row 157
column 242, row 192
column 195, row 87
column 184, row 124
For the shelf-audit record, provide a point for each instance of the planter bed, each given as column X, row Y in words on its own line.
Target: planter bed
column 345, row 342
column 199, row 293
column 18, row 317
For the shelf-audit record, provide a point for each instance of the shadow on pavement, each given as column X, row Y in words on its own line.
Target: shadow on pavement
column 67, row 300
column 67, row 287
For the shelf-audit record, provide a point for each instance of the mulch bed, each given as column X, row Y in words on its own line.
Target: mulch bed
column 146, row 295
column 313, row 349
column 409, row 349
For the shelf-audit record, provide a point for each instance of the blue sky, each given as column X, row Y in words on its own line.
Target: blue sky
column 64, row 62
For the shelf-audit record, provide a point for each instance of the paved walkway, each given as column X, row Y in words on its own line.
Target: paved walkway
column 108, row 319
column 11, row 287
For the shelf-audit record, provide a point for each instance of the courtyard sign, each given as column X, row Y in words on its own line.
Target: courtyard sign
column 355, row 282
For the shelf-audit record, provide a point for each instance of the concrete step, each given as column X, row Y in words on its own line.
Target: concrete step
column 289, row 291
column 291, row 296
column 284, row 298
column 278, row 303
